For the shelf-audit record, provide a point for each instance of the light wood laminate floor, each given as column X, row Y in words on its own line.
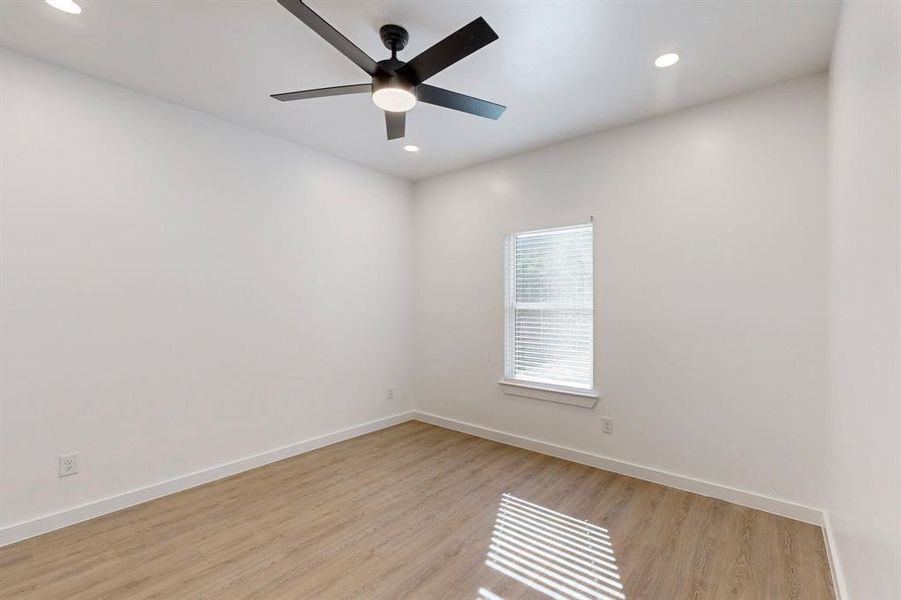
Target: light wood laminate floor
column 417, row 511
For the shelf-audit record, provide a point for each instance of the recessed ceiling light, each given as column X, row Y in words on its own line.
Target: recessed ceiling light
column 411, row 148
column 67, row 6
column 666, row 60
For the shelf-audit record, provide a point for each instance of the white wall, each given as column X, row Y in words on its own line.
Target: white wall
column 179, row 292
column 218, row 293
column 711, row 286
column 864, row 503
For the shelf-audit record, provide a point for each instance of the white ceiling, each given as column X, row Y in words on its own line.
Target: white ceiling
column 562, row 68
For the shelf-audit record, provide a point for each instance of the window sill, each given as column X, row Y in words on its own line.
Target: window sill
column 573, row 397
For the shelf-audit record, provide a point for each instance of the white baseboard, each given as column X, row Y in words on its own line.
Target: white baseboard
column 24, row 530
column 835, row 567
column 775, row 506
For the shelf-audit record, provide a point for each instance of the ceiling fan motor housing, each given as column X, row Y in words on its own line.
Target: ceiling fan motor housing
column 395, row 39
column 387, row 77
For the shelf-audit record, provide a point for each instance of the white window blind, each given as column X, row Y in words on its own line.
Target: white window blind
column 550, row 307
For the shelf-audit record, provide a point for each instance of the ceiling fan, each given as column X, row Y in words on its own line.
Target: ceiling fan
column 397, row 85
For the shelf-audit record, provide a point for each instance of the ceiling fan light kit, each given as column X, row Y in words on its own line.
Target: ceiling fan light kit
column 393, row 99
column 397, row 85
column 390, row 92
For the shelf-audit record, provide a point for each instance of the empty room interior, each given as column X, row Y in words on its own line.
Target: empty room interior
column 457, row 299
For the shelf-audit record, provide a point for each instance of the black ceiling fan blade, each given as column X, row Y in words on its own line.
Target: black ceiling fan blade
column 338, row 90
column 331, row 35
column 396, row 124
column 456, row 101
column 451, row 49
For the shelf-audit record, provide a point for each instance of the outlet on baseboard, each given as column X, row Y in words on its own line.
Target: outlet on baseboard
column 68, row 465
column 607, row 425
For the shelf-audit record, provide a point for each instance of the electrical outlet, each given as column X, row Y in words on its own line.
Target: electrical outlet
column 68, row 465
column 390, row 392
column 607, row 425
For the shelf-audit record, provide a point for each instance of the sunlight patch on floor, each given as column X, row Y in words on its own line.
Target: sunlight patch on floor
column 553, row 553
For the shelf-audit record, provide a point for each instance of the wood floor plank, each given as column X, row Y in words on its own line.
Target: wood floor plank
column 417, row 511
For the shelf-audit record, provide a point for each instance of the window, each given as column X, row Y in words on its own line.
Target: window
column 550, row 333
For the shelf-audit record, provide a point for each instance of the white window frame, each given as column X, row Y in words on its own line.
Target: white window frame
column 577, row 396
